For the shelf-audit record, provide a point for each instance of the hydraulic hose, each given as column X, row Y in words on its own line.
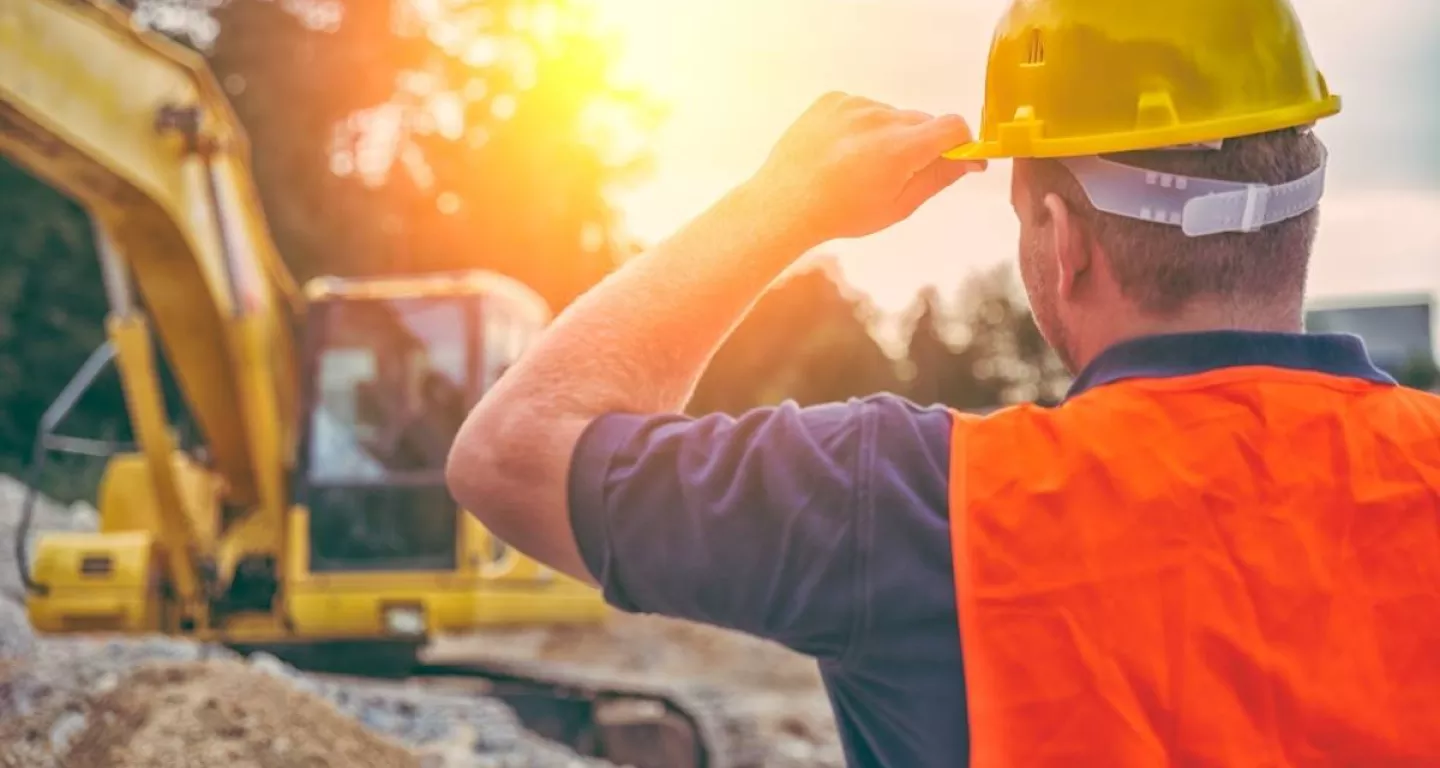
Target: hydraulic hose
column 40, row 451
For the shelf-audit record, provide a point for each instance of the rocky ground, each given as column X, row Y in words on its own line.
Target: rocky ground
column 163, row 702
column 779, row 688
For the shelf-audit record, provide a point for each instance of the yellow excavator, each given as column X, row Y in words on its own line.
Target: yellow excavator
column 311, row 518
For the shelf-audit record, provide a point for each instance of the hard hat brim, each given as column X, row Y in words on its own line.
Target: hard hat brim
column 1021, row 144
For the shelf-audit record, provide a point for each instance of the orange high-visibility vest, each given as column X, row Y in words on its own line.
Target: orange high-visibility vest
column 1239, row 567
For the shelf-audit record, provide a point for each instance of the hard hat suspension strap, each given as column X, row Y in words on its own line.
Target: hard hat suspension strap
column 1198, row 206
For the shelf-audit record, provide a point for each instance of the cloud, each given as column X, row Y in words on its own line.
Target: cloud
column 1378, row 241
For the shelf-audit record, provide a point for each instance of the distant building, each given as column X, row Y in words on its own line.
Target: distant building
column 1398, row 329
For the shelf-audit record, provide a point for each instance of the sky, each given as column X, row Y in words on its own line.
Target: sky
column 735, row 73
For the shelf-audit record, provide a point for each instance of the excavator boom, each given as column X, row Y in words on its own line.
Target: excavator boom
column 135, row 129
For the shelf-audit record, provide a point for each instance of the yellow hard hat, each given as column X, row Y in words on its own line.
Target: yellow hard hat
column 1068, row 78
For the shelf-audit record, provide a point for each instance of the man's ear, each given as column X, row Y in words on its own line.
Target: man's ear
column 1069, row 248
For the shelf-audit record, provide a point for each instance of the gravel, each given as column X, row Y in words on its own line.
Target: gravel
column 782, row 690
column 212, row 713
column 16, row 639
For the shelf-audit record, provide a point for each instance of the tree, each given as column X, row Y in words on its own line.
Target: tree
column 806, row 340
column 943, row 363
column 986, row 353
column 1420, row 372
column 930, row 358
column 52, row 305
column 1010, row 354
column 472, row 135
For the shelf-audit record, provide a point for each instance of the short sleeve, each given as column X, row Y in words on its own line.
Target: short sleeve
column 750, row 523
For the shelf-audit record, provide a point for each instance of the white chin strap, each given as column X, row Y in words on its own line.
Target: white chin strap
column 1198, row 206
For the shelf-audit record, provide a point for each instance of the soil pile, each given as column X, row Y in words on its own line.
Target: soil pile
column 83, row 703
column 201, row 714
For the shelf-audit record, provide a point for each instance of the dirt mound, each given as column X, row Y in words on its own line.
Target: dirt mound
column 199, row 714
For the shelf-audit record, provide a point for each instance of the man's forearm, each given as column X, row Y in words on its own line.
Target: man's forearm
column 640, row 340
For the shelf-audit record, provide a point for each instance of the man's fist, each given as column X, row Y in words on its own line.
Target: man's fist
column 849, row 166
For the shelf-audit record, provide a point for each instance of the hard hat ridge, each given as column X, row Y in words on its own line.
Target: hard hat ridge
column 1068, row 78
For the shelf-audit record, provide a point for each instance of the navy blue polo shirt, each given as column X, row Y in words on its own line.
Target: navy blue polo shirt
column 826, row 529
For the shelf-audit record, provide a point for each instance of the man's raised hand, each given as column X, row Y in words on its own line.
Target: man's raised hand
column 849, row 166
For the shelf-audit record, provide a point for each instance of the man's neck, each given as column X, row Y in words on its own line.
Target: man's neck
column 1200, row 316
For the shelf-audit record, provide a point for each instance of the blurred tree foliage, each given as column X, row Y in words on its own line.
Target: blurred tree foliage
column 413, row 137
column 985, row 352
column 811, row 340
column 807, row 340
column 52, row 307
column 1421, row 373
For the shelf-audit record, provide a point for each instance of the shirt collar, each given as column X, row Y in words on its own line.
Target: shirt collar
column 1183, row 354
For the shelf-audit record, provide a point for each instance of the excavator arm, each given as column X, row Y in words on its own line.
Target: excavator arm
column 136, row 130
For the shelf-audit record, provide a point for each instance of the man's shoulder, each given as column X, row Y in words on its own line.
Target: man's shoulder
column 890, row 447
column 887, row 406
column 883, row 427
column 903, row 441
column 895, row 412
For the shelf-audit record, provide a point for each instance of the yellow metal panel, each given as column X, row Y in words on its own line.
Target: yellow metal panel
column 96, row 582
column 127, row 497
column 354, row 606
column 497, row 562
column 247, row 628
column 507, row 592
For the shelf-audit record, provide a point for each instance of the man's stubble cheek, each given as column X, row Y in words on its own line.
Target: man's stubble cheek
column 1037, row 275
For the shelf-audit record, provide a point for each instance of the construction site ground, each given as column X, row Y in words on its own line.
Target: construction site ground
column 99, row 702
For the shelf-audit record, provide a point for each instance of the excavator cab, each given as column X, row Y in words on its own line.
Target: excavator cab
column 380, row 549
column 373, row 557
column 393, row 370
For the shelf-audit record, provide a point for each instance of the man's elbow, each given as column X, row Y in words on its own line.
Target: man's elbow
column 474, row 467
column 500, row 464
column 507, row 468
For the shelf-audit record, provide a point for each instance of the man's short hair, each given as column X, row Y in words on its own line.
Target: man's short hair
column 1163, row 270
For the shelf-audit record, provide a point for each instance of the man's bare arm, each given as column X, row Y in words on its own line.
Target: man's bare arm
column 639, row 341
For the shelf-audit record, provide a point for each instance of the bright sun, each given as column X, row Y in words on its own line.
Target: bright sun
column 653, row 40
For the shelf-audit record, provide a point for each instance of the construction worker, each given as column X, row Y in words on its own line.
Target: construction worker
column 1222, row 549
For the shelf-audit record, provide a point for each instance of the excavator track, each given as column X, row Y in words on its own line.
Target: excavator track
column 624, row 719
